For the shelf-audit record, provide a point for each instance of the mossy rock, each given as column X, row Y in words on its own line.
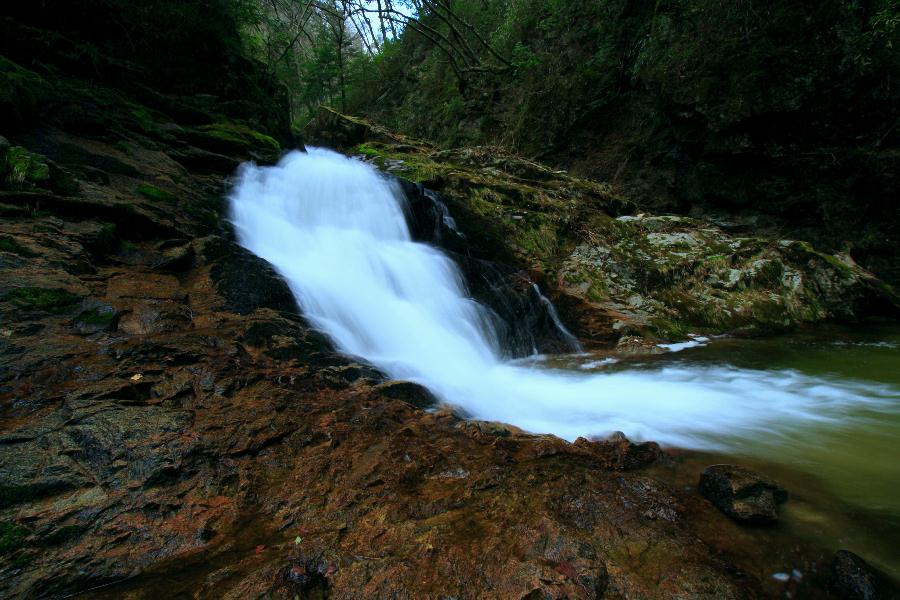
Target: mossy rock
column 8, row 244
column 151, row 192
column 25, row 169
column 231, row 138
column 12, row 537
column 99, row 318
column 42, row 299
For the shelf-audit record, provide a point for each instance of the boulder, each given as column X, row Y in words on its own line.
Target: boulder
column 742, row 494
column 853, row 578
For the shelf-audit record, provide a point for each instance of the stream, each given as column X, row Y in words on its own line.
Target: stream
column 818, row 409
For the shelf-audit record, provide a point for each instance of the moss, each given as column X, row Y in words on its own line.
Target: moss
column 366, row 150
column 240, row 135
column 766, row 273
column 405, row 161
column 107, row 239
column 204, row 216
column 25, row 169
column 12, row 537
column 8, row 244
column 667, row 329
column 43, row 299
column 97, row 316
column 151, row 192
column 128, row 246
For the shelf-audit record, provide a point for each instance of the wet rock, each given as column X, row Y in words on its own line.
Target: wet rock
column 96, row 317
column 852, row 578
column 204, row 161
column 741, row 494
column 627, row 455
column 247, row 283
column 631, row 345
column 174, row 255
column 409, row 392
column 600, row 580
column 229, row 139
column 25, row 170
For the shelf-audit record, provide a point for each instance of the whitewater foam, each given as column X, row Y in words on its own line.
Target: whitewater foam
column 335, row 229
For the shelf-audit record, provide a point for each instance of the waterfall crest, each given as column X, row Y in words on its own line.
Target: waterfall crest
column 335, row 229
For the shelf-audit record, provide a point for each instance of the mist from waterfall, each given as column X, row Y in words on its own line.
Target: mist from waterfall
column 335, row 229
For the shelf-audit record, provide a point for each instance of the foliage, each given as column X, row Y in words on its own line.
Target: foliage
column 43, row 299
column 151, row 192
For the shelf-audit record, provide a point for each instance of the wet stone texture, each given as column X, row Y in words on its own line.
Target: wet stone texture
column 855, row 579
column 742, row 494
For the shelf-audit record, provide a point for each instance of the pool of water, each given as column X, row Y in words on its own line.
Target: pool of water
column 843, row 475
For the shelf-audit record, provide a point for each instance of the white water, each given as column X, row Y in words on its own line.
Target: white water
column 335, row 229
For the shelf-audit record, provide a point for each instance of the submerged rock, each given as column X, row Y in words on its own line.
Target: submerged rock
column 742, row 494
column 852, row 578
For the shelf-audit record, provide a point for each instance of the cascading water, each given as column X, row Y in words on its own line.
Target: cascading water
column 335, row 229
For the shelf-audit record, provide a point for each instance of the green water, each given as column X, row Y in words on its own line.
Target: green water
column 844, row 477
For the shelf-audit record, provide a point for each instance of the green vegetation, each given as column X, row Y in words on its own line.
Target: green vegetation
column 25, row 169
column 151, row 192
column 43, row 299
column 12, row 537
column 239, row 135
column 96, row 316
column 128, row 246
column 8, row 244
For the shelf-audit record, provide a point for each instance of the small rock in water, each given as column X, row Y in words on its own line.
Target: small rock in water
column 853, row 578
column 741, row 494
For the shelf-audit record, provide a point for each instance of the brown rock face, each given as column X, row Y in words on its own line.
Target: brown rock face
column 742, row 494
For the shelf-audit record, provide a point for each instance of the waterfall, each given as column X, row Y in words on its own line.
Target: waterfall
column 335, row 229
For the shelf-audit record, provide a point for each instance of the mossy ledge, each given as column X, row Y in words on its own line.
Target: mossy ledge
column 660, row 275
